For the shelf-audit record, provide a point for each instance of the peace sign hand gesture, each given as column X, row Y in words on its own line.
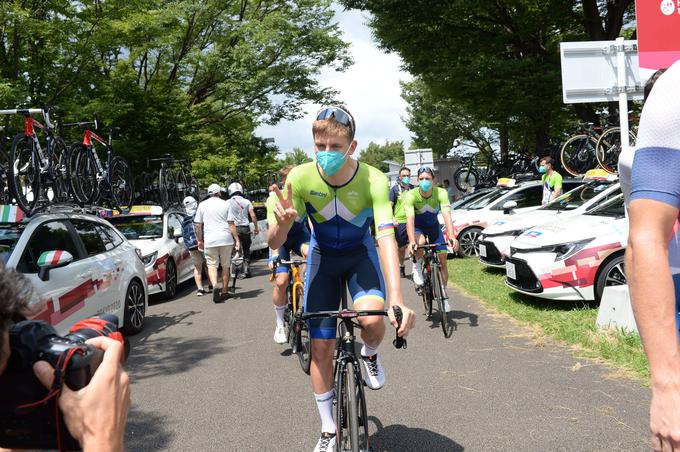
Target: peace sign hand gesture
column 284, row 210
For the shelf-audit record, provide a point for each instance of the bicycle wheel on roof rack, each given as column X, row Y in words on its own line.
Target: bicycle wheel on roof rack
column 122, row 189
column 5, row 195
column 24, row 173
column 84, row 178
column 182, row 184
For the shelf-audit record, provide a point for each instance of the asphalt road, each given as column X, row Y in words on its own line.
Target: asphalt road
column 208, row 377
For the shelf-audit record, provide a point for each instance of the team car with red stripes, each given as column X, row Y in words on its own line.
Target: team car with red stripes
column 573, row 259
column 158, row 235
column 495, row 240
column 79, row 265
column 509, row 198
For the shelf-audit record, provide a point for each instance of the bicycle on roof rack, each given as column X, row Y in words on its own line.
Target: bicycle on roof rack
column 164, row 181
column 109, row 180
column 5, row 194
column 35, row 173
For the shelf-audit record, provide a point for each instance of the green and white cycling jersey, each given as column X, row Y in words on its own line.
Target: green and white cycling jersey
column 341, row 215
column 425, row 210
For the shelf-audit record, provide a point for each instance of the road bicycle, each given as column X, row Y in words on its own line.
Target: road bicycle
column 34, row 173
column 166, row 183
column 469, row 176
column 186, row 182
column 95, row 180
column 298, row 332
column 432, row 290
column 351, row 415
column 5, row 195
column 608, row 148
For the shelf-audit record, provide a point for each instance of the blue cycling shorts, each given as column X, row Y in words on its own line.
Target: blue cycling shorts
column 293, row 243
column 434, row 235
column 325, row 272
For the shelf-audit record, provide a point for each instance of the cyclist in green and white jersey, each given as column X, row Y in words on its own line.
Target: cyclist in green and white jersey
column 342, row 197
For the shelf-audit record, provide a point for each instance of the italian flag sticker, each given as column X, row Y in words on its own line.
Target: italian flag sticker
column 10, row 214
column 50, row 258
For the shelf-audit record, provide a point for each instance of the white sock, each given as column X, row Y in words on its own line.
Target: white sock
column 280, row 311
column 367, row 350
column 324, row 402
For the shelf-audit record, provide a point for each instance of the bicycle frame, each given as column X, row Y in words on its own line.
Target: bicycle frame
column 30, row 124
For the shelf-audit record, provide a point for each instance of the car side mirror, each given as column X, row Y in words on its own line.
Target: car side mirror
column 509, row 206
column 52, row 259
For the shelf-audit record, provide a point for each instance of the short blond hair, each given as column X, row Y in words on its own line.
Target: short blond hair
column 332, row 127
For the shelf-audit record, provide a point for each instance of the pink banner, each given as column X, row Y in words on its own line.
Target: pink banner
column 658, row 32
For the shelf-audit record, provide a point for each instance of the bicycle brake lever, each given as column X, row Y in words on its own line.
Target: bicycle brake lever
column 398, row 342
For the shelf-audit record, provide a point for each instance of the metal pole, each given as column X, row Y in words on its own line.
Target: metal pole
column 623, row 95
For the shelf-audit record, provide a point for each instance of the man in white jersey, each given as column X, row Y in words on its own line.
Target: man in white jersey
column 242, row 213
column 650, row 179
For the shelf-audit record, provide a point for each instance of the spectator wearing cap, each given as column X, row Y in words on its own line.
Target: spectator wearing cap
column 191, row 243
column 216, row 238
column 241, row 213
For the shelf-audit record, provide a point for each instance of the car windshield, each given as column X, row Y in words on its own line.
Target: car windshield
column 486, row 199
column 139, row 227
column 577, row 197
column 9, row 236
column 615, row 208
column 463, row 202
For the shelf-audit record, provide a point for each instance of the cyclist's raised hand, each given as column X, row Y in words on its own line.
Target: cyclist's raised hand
column 407, row 321
column 284, row 210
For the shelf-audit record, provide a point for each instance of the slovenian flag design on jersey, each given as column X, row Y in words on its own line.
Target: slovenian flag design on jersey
column 51, row 257
column 10, row 214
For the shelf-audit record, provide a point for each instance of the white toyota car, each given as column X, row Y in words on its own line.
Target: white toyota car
column 79, row 266
column 158, row 235
column 496, row 239
column 573, row 259
column 511, row 198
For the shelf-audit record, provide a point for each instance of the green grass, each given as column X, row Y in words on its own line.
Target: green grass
column 572, row 323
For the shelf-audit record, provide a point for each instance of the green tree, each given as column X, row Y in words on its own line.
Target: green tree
column 296, row 157
column 375, row 154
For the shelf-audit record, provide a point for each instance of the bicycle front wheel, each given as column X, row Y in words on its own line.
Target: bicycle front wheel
column 351, row 415
column 182, row 185
column 84, row 179
column 120, row 177
column 466, row 179
column 609, row 148
column 447, row 327
column 24, row 173
column 5, row 195
column 59, row 171
column 578, row 154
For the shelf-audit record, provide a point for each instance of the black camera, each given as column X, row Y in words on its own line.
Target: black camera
column 29, row 417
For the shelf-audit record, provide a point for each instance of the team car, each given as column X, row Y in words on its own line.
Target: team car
column 158, row 235
column 573, row 259
column 510, row 198
column 496, row 239
column 78, row 264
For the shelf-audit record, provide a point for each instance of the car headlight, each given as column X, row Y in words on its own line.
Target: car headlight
column 565, row 250
column 149, row 259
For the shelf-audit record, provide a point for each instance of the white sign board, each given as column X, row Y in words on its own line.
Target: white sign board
column 416, row 158
column 589, row 72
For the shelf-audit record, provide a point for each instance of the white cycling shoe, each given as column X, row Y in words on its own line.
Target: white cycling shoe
column 417, row 275
column 280, row 335
column 326, row 443
column 374, row 374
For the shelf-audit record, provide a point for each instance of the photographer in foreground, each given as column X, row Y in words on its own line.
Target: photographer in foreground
column 96, row 414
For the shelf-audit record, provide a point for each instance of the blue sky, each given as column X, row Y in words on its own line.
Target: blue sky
column 369, row 88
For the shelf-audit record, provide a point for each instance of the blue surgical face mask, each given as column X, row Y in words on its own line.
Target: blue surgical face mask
column 405, row 180
column 542, row 169
column 425, row 185
column 331, row 161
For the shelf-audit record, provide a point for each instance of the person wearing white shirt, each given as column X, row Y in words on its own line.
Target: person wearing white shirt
column 242, row 213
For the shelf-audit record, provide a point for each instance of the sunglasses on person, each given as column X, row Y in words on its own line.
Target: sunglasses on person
column 425, row 169
column 340, row 116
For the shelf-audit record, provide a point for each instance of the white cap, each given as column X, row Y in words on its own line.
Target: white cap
column 214, row 188
column 235, row 187
column 190, row 205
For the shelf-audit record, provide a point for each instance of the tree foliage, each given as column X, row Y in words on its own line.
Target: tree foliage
column 375, row 154
column 296, row 157
column 186, row 77
column 494, row 63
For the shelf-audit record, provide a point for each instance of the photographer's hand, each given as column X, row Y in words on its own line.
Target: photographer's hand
column 96, row 414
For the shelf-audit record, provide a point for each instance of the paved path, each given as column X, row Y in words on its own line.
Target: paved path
column 208, row 377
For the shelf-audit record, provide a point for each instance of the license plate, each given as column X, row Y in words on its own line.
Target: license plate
column 510, row 270
column 482, row 250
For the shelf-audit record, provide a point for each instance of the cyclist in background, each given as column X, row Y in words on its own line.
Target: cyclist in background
column 242, row 213
column 397, row 199
column 422, row 207
column 342, row 197
column 296, row 241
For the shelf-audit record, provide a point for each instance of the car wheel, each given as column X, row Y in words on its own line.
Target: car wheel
column 170, row 279
column 468, row 242
column 135, row 311
column 612, row 274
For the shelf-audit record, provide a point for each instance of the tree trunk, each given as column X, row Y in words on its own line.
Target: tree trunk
column 505, row 143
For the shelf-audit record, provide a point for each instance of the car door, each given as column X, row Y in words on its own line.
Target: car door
column 69, row 289
column 101, row 264
column 120, row 257
column 179, row 252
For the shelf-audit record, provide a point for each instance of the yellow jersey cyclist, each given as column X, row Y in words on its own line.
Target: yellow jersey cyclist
column 397, row 193
column 297, row 241
column 342, row 197
column 422, row 206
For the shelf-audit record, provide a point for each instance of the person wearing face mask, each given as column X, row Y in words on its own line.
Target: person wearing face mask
column 551, row 180
column 342, row 197
column 422, row 207
column 396, row 198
